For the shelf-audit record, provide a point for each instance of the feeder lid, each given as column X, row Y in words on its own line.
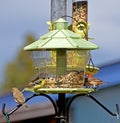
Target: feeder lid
column 60, row 24
column 61, row 38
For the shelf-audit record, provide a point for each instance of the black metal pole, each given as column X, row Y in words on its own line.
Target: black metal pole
column 61, row 116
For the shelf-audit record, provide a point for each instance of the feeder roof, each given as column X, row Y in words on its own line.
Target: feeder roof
column 58, row 39
column 61, row 39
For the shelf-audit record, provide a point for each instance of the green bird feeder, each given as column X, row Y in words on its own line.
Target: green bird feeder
column 61, row 57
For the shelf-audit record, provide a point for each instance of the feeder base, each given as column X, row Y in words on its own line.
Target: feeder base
column 62, row 90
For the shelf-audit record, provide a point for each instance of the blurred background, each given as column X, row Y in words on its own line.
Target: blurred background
column 24, row 21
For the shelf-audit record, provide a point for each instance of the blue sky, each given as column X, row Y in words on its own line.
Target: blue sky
column 20, row 17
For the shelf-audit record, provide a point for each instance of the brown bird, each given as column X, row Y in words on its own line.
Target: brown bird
column 19, row 97
column 91, row 81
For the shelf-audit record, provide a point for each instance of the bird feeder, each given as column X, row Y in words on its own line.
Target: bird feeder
column 61, row 56
column 62, row 60
column 80, row 16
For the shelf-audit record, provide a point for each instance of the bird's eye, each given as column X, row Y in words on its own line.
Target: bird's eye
column 33, row 84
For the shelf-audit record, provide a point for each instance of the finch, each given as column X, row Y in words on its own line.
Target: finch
column 40, row 84
column 19, row 97
column 92, row 81
column 35, row 85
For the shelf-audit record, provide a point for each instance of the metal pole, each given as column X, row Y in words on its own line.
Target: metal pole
column 61, row 116
column 58, row 10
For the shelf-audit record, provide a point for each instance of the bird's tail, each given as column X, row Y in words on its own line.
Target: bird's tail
column 105, row 83
column 25, row 106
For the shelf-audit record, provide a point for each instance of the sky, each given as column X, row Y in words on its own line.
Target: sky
column 21, row 17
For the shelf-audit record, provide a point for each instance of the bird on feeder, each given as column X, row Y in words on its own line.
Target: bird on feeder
column 91, row 81
column 39, row 84
column 81, row 29
column 19, row 97
column 35, row 84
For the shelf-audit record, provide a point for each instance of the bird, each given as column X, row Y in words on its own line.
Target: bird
column 39, row 84
column 32, row 83
column 19, row 97
column 35, row 84
column 81, row 28
column 91, row 81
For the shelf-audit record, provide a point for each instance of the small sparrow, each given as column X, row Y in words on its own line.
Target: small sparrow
column 19, row 97
column 91, row 81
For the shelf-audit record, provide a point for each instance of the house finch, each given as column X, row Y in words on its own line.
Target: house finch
column 19, row 97
column 92, row 81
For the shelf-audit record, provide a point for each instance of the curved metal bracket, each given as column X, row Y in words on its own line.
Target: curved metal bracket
column 68, row 105
column 70, row 102
column 106, row 109
column 94, row 99
column 52, row 101
column 18, row 106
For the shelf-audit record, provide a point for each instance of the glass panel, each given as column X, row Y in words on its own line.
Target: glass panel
column 42, row 59
column 74, row 67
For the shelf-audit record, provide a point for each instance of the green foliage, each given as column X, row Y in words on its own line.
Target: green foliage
column 21, row 70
